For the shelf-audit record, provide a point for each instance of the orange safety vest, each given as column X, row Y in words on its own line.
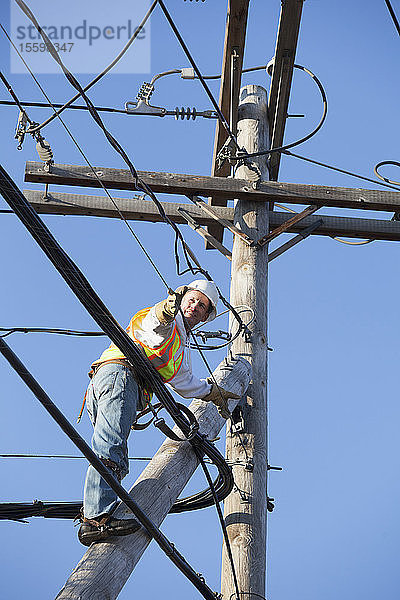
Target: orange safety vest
column 167, row 358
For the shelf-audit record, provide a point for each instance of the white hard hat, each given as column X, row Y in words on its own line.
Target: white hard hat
column 209, row 289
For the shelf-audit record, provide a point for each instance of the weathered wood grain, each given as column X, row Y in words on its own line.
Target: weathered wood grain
column 246, row 507
column 145, row 210
column 198, row 185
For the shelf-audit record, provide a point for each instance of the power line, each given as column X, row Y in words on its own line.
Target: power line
column 393, row 15
column 63, row 456
column 327, row 166
column 245, row 156
column 57, row 105
column 57, row 331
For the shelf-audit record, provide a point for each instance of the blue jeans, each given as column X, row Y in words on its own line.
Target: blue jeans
column 112, row 400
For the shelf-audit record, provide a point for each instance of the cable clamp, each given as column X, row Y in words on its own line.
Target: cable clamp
column 226, row 153
column 141, row 107
column 249, row 465
column 205, row 335
column 247, row 335
column 20, row 129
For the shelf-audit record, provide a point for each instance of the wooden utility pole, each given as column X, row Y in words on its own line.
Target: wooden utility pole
column 246, row 507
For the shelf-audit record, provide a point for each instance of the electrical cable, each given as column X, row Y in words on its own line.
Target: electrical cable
column 106, row 70
column 393, row 15
column 14, row 96
column 66, row 456
column 57, row 105
column 327, row 166
column 199, row 75
column 57, row 331
column 381, row 164
column 222, row 523
column 245, row 156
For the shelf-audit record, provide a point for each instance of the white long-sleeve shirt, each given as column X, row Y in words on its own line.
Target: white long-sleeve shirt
column 153, row 334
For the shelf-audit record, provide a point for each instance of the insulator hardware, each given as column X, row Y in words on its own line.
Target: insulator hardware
column 21, row 128
column 145, row 92
column 204, row 335
column 181, row 113
column 45, row 152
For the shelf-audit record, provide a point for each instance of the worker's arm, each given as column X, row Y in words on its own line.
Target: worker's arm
column 167, row 309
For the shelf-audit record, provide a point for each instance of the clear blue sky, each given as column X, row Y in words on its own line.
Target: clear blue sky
column 333, row 321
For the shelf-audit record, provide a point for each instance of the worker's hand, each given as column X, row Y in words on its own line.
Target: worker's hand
column 167, row 309
column 220, row 397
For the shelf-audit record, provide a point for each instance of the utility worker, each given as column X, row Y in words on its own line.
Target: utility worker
column 113, row 395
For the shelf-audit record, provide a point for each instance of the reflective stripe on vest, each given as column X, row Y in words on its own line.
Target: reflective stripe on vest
column 167, row 358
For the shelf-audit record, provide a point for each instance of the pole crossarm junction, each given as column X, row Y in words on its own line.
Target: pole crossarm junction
column 58, row 203
column 230, row 189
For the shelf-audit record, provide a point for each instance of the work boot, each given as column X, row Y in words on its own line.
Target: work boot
column 103, row 527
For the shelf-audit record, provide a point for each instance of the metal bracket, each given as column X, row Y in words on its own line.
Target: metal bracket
column 298, row 238
column 286, row 225
column 209, row 210
column 237, row 421
column 20, row 129
column 205, row 335
column 204, row 234
column 226, row 152
column 142, row 108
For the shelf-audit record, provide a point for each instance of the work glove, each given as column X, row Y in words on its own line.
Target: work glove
column 220, row 397
column 167, row 309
